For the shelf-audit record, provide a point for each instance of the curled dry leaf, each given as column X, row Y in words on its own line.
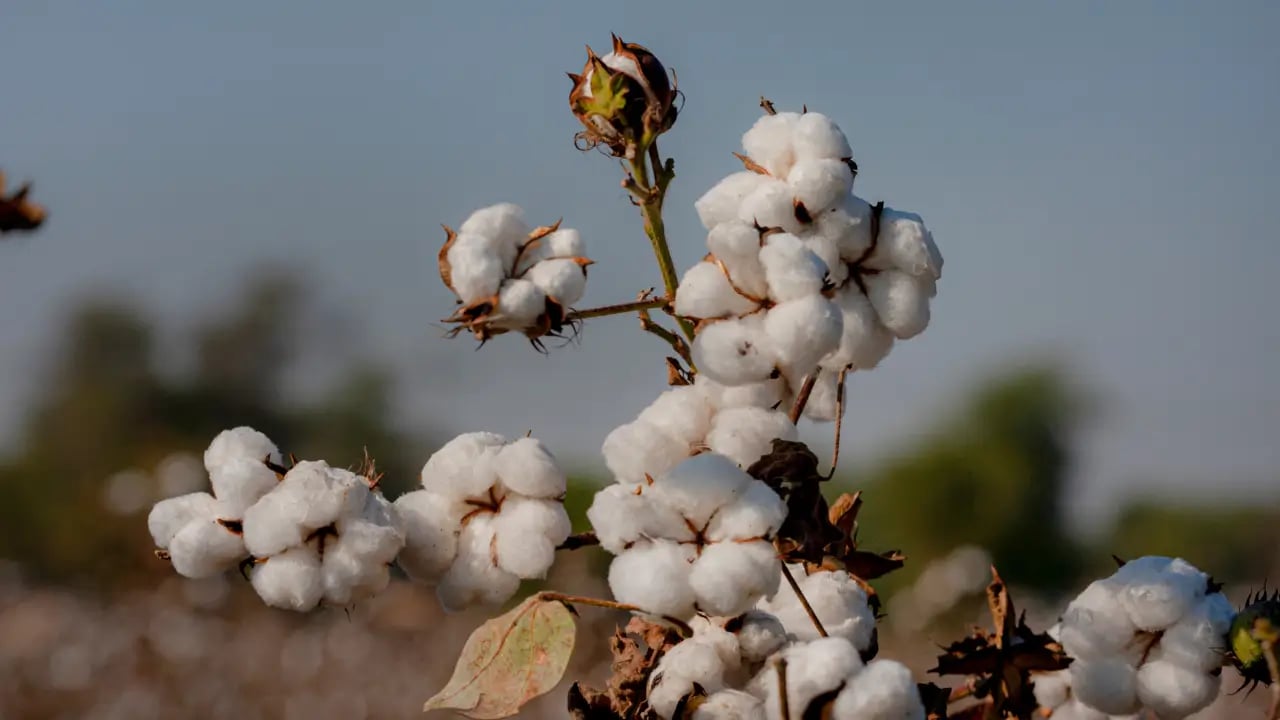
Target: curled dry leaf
column 509, row 661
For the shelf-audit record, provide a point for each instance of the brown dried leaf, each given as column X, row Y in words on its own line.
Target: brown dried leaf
column 446, row 270
column 510, row 660
column 17, row 212
column 869, row 565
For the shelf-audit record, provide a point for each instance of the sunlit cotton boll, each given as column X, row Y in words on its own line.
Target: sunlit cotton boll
column 730, row 705
column 520, row 302
column 791, row 269
column 476, row 272
column 562, row 280
column 813, row 668
column 689, row 662
column 729, row 576
column 836, row 598
column 1175, row 692
column 721, row 203
column 639, row 449
column 705, row 293
column 502, row 228
column 883, row 690
column 736, row 245
column 1108, row 684
column 803, row 331
column 654, row 576
column 735, row 352
column 772, row 205
column 771, row 142
column 746, row 434
column 474, row 577
column 901, row 301
column 820, row 185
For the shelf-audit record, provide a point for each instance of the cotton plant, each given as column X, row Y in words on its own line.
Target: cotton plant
column 748, row 594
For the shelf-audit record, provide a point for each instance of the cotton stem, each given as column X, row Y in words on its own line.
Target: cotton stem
column 619, row 309
column 804, row 601
column 681, row 625
column 650, row 194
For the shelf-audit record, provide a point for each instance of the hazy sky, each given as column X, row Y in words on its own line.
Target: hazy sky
column 1101, row 177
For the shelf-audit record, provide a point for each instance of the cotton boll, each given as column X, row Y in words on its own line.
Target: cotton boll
column 737, row 246
column 1052, row 688
column 503, row 227
column 526, row 466
column 204, row 548
column 735, row 352
column 884, row 690
column 1141, row 569
column 705, row 292
column 474, row 271
column 849, row 226
column 239, row 483
column 730, row 705
column 764, row 394
column 1095, row 624
column 311, row 496
column 655, row 577
column 526, row 533
column 901, row 301
column 473, row 577
column 621, row 516
column 1157, row 600
column 354, row 566
column 1199, row 640
column 520, row 302
column 1175, row 692
column 864, row 340
column 1108, row 684
column 828, row 251
column 169, row 516
column 838, row 601
column 820, row 185
column 720, row 204
column 792, row 270
column 463, row 468
column 563, row 243
column 638, row 449
column 772, row 205
column 804, row 330
column 682, row 412
column 746, row 434
column 290, row 580
column 686, row 663
column 759, row 635
column 729, row 577
column 1075, row 710
column 431, row 525
column 698, row 487
column 239, row 444
column 817, row 137
column 769, row 142
column 905, row 244
column 562, row 280
column 757, row 513
column 823, row 403
column 813, row 668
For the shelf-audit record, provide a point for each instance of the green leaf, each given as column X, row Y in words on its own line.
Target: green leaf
column 509, row 661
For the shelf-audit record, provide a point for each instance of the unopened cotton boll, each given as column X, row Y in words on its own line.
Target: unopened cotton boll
column 683, row 413
column 759, row 635
column 737, row 246
column 705, row 292
column 820, row 185
column 520, row 302
column 746, row 434
column 803, row 331
column 463, row 467
column 770, row 142
column 290, row 580
column 1173, row 691
column 526, row 466
column 735, row 352
column 901, row 301
column 864, row 340
column 730, row 705
column 526, row 533
column 1095, row 624
column 757, row 513
column 654, row 576
column 836, row 598
column 905, row 244
column 475, row 272
column 1107, row 683
column 503, row 227
column 638, row 449
column 431, row 525
column 772, row 205
column 720, row 204
column 884, row 690
column 791, row 269
column 817, row 137
column 562, row 280
column 698, row 487
column 204, row 548
column 729, row 577
column 474, row 577
column 169, row 516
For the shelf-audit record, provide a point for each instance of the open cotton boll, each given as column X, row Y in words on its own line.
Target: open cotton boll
column 1199, row 640
column 864, row 340
column 1108, row 684
column 239, row 483
column 526, row 533
column 884, row 690
column 355, row 565
column 563, row 243
column 1051, row 689
column 169, row 516
column 828, row 251
column 622, row 515
column 791, row 269
column 705, row 292
column 204, row 548
column 836, row 599
column 526, row 466
column 765, row 394
column 503, row 227
column 311, row 496
column 1075, row 710
column 823, row 404
column 850, row 225
column 638, row 449
column 682, row 412
column 1156, row 600
column 290, row 580
column 813, row 668
column 1175, row 692
column 901, row 301
column 804, row 330
column 473, row 577
column 240, row 443
column 772, row 205
column 654, row 576
column 463, row 467
column 905, row 244
column 737, row 246
column 735, row 352
column 700, row 486
column 770, row 143
column 520, row 302
column 474, row 271
column 817, row 137
column 730, row 705
column 759, row 635
column 746, row 434
column 563, row 280
column 431, row 523
column 720, row 204
column 688, row 662
column 757, row 513
column 1095, row 624
column 729, row 577
column 820, row 185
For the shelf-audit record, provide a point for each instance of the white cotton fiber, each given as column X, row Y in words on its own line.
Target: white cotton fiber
column 820, row 185
column 901, row 301
column 745, row 434
column 526, row 466
column 804, row 330
column 241, row 443
column 462, row 467
column 1199, row 639
column 290, row 580
column 1108, row 684
column 430, row 522
column 705, row 293
column 1156, row 600
column 1095, row 624
column 475, row 272
column 683, row 413
column 813, row 668
column 526, row 533
column 729, row 577
column 1175, row 692
column 720, row 204
column 239, row 483
column 772, row 205
column 816, row 136
column 905, row 244
column 169, row 516
column 734, row 352
column 864, row 340
column 203, row 548
column 638, row 449
column 700, row 486
column 503, row 228
column 737, row 246
column 563, row 243
column 730, row 705
column 770, row 142
column 764, row 394
column 759, row 635
column 688, row 662
column 520, row 302
column 473, row 577
column 562, row 280
column 311, row 496
column 884, row 690
column 654, row 576
column 757, row 513
column 791, row 269
column 836, row 598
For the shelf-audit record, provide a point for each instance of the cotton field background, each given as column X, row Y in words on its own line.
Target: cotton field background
column 220, row 217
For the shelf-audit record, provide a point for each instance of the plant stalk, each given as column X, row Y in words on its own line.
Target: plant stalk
column 681, row 625
column 651, row 194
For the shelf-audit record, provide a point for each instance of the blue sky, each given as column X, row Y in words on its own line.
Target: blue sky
column 1101, row 178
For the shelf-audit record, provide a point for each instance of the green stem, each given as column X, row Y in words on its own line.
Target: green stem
column 619, row 309
column 652, row 195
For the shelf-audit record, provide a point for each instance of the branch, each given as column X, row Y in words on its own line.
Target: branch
column 780, row 666
column 681, row 625
column 676, row 342
column 619, row 309
column 835, row 452
column 651, row 196
column 802, row 397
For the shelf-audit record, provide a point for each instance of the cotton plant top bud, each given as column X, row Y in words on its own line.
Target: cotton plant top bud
column 202, row 533
column 323, row 535
column 817, row 669
column 490, row 513
column 836, row 598
column 697, row 537
column 816, row 280
column 509, row 277
column 1153, row 635
column 623, row 99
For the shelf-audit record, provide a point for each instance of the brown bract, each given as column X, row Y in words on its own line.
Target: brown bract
column 636, row 651
column 17, row 212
